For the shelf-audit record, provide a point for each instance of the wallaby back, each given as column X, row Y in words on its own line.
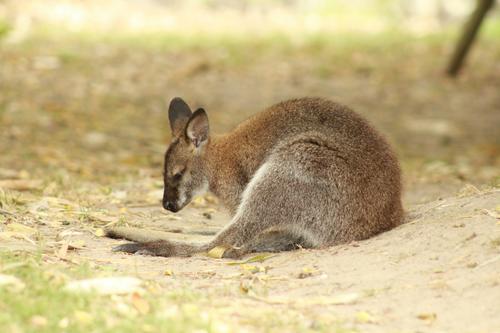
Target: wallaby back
column 304, row 173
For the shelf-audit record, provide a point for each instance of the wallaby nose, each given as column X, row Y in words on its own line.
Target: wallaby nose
column 170, row 206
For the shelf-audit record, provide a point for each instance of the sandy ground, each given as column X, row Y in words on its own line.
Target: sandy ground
column 84, row 129
column 439, row 272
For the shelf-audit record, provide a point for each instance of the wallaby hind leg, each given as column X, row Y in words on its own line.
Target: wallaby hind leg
column 272, row 240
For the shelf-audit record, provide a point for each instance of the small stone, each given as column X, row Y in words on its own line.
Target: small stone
column 472, row 265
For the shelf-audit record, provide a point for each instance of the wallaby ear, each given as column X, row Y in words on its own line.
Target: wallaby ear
column 178, row 115
column 197, row 128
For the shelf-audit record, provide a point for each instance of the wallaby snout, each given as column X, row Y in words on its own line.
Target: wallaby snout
column 171, row 206
column 170, row 199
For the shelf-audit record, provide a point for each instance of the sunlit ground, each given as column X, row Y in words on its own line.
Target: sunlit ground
column 83, row 90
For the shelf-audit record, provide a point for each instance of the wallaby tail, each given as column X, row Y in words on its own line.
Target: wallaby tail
column 153, row 243
column 135, row 234
column 163, row 248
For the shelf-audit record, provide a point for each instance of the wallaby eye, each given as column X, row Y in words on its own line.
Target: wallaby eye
column 178, row 175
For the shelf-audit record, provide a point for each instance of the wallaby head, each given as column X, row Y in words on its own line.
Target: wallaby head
column 184, row 175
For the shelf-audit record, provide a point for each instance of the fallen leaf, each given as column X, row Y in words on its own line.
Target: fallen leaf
column 168, row 272
column 76, row 244
column 470, row 237
column 20, row 228
column 67, row 233
column 13, row 265
column 51, row 203
column 217, row 252
column 427, row 316
column 63, row 323
column 99, row 232
column 63, row 250
column 20, row 184
column 55, row 277
column 124, row 309
column 252, row 269
column 206, row 274
column 341, row 299
column 468, row 190
column 244, row 286
column 101, row 217
column 83, row 317
column 106, row 286
column 364, row 317
column 347, row 298
column 218, row 326
column 307, row 272
column 491, row 213
column 141, row 305
column 199, row 202
column 258, row 258
column 8, row 173
column 211, row 199
column 6, row 235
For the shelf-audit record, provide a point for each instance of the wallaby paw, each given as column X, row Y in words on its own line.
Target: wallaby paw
column 130, row 248
column 234, row 253
column 144, row 252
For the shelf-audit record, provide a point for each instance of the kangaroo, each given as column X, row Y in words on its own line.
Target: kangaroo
column 304, row 173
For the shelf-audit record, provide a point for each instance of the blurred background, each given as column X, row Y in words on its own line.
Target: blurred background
column 84, row 83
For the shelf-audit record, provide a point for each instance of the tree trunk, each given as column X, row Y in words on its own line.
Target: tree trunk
column 470, row 31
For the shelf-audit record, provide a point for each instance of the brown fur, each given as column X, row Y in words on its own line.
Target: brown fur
column 304, row 173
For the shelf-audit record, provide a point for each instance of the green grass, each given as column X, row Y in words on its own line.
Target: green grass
column 236, row 49
column 4, row 29
column 43, row 297
column 43, row 305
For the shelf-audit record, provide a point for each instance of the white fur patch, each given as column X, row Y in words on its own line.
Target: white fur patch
column 257, row 177
column 182, row 196
column 201, row 190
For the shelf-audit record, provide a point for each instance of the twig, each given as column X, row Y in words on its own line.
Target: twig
column 489, row 261
column 422, row 214
column 4, row 212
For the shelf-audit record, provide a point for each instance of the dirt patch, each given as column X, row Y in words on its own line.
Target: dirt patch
column 437, row 272
column 84, row 129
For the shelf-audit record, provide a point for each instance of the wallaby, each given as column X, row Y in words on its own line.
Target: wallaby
column 305, row 173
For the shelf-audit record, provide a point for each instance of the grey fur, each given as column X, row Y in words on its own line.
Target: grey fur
column 304, row 173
